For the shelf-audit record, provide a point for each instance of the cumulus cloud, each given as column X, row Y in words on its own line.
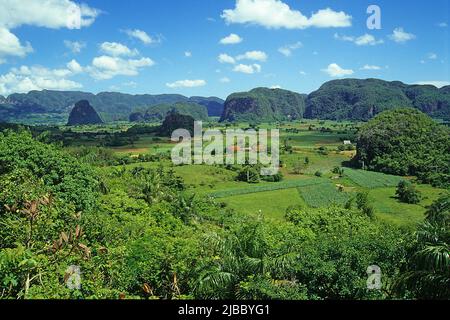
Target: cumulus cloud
column 364, row 40
column 287, row 50
column 432, row 56
column 54, row 14
column 74, row 66
column 225, row 58
column 107, row 67
column 25, row 79
column 10, row 45
column 75, row 46
column 141, row 36
column 188, row 54
column 248, row 69
column 231, row 39
column 225, row 80
column 277, row 14
column 253, row 55
column 277, row 86
column 334, row 70
column 186, row 84
column 117, row 49
column 399, row 35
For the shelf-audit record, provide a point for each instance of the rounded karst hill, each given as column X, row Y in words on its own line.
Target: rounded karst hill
column 83, row 113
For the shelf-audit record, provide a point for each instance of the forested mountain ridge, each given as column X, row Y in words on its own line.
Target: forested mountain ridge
column 213, row 104
column 111, row 106
column 263, row 104
column 345, row 99
column 158, row 112
column 356, row 99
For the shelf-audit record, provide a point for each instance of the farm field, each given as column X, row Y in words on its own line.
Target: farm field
column 304, row 188
column 271, row 204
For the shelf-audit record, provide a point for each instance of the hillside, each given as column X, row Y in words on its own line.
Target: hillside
column 159, row 112
column 54, row 106
column 174, row 121
column 354, row 99
column 83, row 113
column 406, row 142
column 213, row 104
column 263, row 104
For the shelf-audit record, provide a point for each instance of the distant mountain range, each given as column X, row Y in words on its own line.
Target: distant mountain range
column 54, row 106
column 346, row 99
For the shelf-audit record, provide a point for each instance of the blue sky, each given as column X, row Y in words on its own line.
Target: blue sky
column 174, row 46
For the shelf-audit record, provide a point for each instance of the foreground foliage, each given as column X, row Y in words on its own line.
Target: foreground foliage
column 138, row 233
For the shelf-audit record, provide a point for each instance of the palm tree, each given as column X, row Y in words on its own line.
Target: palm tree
column 428, row 270
column 237, row 257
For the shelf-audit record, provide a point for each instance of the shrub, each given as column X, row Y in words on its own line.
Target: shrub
column 407, row 192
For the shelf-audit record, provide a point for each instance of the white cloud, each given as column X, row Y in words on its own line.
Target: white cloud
column 334, row 70
column 303, row 73
column 248, row 69
column 370, row 67
column 432, row 56
column 117, row 49
column 277, row 14
column 287, row 50
column 74, row 66
column 75, row 46
column 25, row 79
column 54, row 14
column 106, row 67
column 253, row 55
column 142, row 36
column 188, row 54
column 224, row 58
column 10, row 45
column 277, row 86
column 186, row 84
column 225, row 80
column 438, row 84
column 400, row 36
column 442, row 24
column 364, row 40
column 231, row 39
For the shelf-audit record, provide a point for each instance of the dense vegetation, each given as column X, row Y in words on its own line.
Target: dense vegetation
column 174, row 121
column 406, row 142
column 264, row 105
column 362, row 99
column 140, row 232
column 159, row 112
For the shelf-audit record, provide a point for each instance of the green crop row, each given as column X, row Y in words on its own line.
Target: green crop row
column 268, row 187
column 370, row 179
column 317, row 196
